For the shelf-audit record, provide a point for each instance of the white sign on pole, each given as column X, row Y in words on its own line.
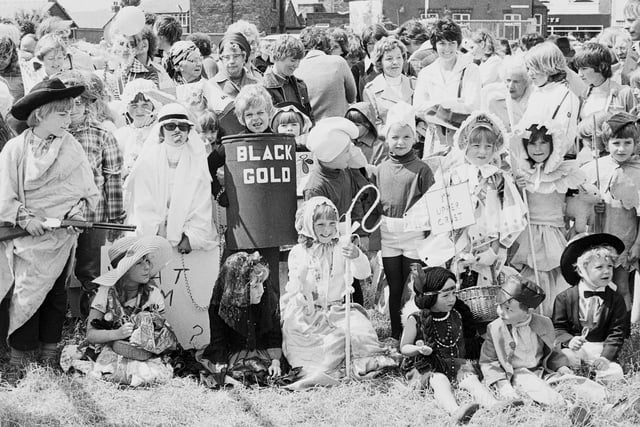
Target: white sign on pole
column 363, row 13
column 450, row 208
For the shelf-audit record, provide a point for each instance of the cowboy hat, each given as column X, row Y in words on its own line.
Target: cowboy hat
column 523, row 291
column 579, row 245
column 43, row 93
column 449, row 114
column 157, row 249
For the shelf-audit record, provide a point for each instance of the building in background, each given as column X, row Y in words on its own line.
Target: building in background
column 505, row 18
column 214, row 16
column 582, row 19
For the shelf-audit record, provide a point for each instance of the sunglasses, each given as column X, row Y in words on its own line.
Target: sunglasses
column 184, row 127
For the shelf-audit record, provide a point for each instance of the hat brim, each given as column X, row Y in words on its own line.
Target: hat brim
column 157, row 249
column 578, row 246
column 25, row 105
column 164, row 122
column 434, row 120
column 503, row 296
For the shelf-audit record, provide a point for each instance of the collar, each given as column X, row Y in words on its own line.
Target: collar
column 583, row 286
column 222, row 76
column 367, row 63
column 314, row 52
column 137, row 67
column 524, row 323
column 271, row 79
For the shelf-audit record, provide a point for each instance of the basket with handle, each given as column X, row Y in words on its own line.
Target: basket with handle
column 481, row 300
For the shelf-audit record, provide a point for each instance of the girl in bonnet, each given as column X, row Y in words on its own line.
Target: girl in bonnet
column 537, row 155
column 499, row 213
column 313, row 310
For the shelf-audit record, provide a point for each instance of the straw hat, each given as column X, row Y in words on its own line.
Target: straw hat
column 130, row 250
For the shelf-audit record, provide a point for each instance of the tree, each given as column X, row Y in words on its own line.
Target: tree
column 28, row 21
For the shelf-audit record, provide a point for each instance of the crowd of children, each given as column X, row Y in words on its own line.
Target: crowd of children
column 414, row 188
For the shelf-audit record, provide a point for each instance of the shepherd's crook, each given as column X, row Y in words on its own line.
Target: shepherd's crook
column 348, row 278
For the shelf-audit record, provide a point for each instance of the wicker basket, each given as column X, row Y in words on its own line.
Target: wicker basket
column 482, row 302
column 128, row 350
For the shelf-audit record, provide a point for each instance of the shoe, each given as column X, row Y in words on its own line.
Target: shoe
column 507, row 405
column 465, row 412
column 580, row 416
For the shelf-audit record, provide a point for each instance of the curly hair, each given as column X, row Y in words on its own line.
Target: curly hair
column 315, row 38
column 287, row 46
column 202, row 42
column 8, row 49
column 384, row 45
column 446, row 29
column 484, row 36
column 412, row 31
column 252, row 96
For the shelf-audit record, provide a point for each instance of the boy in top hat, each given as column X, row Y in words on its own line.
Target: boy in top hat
column 590, row 318
column 336, row 175
column 519, row 349
column 44, row 173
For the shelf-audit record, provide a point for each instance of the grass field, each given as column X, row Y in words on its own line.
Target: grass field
column 44, row 398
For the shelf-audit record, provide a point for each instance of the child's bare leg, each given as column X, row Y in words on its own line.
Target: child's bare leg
column 621, row 279
column 536, row 388
column 635, row 310
column 443, row 392
column 479, row 392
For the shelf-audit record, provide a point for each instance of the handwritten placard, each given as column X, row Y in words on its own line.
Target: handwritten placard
column 450, row 208
column 187, row 289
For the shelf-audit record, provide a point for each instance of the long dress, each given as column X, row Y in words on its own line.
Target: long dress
column 314, row 331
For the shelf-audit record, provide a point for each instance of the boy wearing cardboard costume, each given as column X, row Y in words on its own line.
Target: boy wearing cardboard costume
column 590, row 318
column 519, row 350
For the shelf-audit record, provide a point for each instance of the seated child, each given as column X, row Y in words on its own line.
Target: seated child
column 126, row 294
column 334, row 177
column 519, row 350
column 590, row 318
column 433, row 343
column 313, row 308
column 244, row 321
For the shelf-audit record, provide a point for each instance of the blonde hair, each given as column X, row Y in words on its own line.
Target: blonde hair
column 605, row 251
column 43, row 111
column 632, row 9
column 49, row 43
column 252, row 96
column 546, row 58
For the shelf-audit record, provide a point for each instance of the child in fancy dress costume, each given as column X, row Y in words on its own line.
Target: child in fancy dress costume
column 619, row 177
column 433, row 343
column 538, row 161
column 480, row 249
column 313, row 309
column 590, row 318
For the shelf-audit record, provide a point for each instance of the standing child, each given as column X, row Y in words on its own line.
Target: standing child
column 537, row 158
column 434, row 343
column 402, row 180
column 590, row 318
column 499, row 211
column 44, row 173
column 619, row 177
column 363, row 116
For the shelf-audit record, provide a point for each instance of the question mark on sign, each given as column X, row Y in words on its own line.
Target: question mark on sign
column 197, row 334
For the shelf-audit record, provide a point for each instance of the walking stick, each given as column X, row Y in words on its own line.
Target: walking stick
column 348, row 277
column 598, row 225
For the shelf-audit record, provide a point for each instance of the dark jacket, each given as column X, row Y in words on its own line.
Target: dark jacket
column 362, row 77
column 290, row 89
column 610, row 329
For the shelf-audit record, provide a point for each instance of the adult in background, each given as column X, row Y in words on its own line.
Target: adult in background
column 594, row 63
column 415, row 36
column 168, row 30
column 484, row 50
column 251, row 33
column 619, row 41
column 364, row 71
column 451, row 76
column 203, row 43
column 10, row 67
column 279, row 80
column 328, row 77
column 141, row 48
column 235, row 52
column 509, row 98
column 391, row 86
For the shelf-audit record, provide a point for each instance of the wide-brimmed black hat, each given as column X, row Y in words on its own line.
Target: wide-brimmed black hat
column 44, row 92
column 523, row 291
column 579, row 245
